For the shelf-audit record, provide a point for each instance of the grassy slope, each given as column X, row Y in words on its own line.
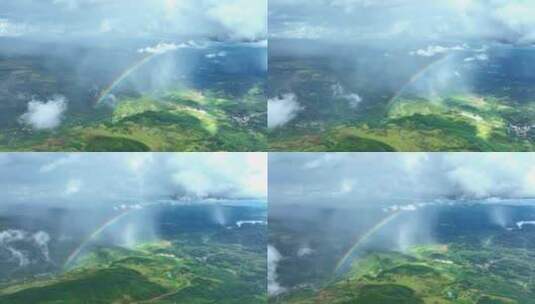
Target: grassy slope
column 154, row 273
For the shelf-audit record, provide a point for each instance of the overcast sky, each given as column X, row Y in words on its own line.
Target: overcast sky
column 339, row 179
column 492, row 20
column 233, row 19
column 116, row 178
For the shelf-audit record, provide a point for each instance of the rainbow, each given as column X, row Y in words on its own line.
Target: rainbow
column 74, row 255
column 361, row 240
column 417, row 76
column 124, row 75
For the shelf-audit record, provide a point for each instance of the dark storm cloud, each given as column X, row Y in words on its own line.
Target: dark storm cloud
column 233, row 19
column 102, row 178
column 493, row 20
column 398, row 178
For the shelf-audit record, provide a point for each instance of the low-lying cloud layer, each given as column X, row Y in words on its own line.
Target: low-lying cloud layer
column 352, row 20
column 131, row 178
column 226, row 19
column 398, row 179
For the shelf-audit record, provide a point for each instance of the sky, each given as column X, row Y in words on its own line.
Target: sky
column 508, row 21
column 86, row 179
column 224, row 19
column 364, row 179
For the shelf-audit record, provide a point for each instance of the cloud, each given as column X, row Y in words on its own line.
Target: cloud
column 274, row 288
column 45, row 115
column 406, row 181
column 246, row 19
column 404, row 20
column 222, row 174
column 354, row 99
column 478, row 57
column 215, row 55
column 65, row 19
column 281, row 110
column 131, row 178
column 9, row 29
column 160, row 48
column 163, row 47
column 73, row 186
column 304, row 251
column 16, row 243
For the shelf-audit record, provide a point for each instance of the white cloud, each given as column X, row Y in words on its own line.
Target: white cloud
column 282, row 110
column 304, row 251
column 164, row 47
column 215, row 55
column 160, row 48
column 73, row 186
column 274, row 288
column 45, row 115
column 222, row 174
column 398, row 178
column 106, row 26
column 133, row 177
column 353, row 99
column 9, row 29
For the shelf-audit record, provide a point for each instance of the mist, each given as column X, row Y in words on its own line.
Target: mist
column 56, row 207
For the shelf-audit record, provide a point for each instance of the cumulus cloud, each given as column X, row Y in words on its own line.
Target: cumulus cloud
column 404, row 181
column 274, row 288
column 9, row 29
column 45, row 115
column 281, row 110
